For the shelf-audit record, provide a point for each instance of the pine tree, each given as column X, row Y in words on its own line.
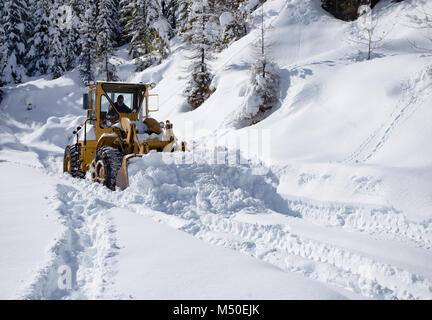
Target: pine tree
column 170, row 13
column 184, row 23
column 107, row 29
column 87, row 58
column 139, row 16
column 116, row 16
column 57, row 62
column 125, row 11
column 233, row 19
column 73, row 48
column 265, row 79
column 160, row 43
column 265, row 82
column 37, row 55
column 2, row 40
column 147, row 44
column 202, row 36
column 14, row 25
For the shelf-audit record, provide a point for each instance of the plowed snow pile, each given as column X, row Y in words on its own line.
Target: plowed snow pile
column 327, row 198
column 167, row 183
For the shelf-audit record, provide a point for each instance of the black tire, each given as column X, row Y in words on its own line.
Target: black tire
column 105, row 166
column 71, row 161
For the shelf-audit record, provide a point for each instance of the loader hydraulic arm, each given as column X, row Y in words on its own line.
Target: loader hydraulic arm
column 132, row 143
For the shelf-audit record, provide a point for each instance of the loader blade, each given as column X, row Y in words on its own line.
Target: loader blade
column 122, row 180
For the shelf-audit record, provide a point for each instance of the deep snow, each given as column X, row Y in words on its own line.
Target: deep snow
column 336, row 203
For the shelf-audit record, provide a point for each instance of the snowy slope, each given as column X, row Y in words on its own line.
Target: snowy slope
column 341, row 205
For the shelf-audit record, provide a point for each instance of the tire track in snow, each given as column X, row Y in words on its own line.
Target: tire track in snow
column 387, row 222
column 87, row 247
column 337, row 266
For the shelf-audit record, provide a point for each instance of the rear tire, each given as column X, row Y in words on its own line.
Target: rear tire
column 105, row 166
column 71, row 161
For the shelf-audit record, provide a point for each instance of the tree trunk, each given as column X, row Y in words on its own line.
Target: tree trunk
column 202, row 59
column 106, row 67
column 262, row 41
column 369, row 45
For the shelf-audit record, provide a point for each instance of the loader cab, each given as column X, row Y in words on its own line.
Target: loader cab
column 101, row 101
column 106, row 95
column 133, row 97
column 129, row 107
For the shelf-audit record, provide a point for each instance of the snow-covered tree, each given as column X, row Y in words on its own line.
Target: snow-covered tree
column 202, row 36
column 184, row 23
column 14, row 25
column 87, row 58
column 124, row 12
column 366, row 30
column 2, row 43
column 57, row 62
column 263, row 92
column 73, row 33
column 107, row 29
column 162, row 35
column 265, row 83
column 142, row 19
column 118, row 33
column 233, row 21
column 170, row 13
column 228, row 18
column 39, row 42
column 2, row 49
column 2, row 14
column 139, row 16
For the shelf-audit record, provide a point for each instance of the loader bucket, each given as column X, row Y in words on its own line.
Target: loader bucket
column 122, row 180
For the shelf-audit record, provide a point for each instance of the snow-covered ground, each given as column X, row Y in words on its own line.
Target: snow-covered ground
column 337, row 202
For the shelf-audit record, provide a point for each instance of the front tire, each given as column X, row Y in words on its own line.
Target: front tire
column 105, row 166
column 71, row 162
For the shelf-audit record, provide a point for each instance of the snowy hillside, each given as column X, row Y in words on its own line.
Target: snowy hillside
column 332, row 198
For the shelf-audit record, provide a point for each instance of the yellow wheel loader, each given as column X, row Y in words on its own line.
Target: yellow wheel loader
column 118, row 128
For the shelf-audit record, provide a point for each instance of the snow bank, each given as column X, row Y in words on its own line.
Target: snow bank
column 166, row 183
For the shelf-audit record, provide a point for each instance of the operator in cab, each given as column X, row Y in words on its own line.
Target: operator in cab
column 120, row 106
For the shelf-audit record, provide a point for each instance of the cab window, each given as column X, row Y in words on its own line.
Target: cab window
column 105, row 106
column 129, row 103
column 92, row 102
